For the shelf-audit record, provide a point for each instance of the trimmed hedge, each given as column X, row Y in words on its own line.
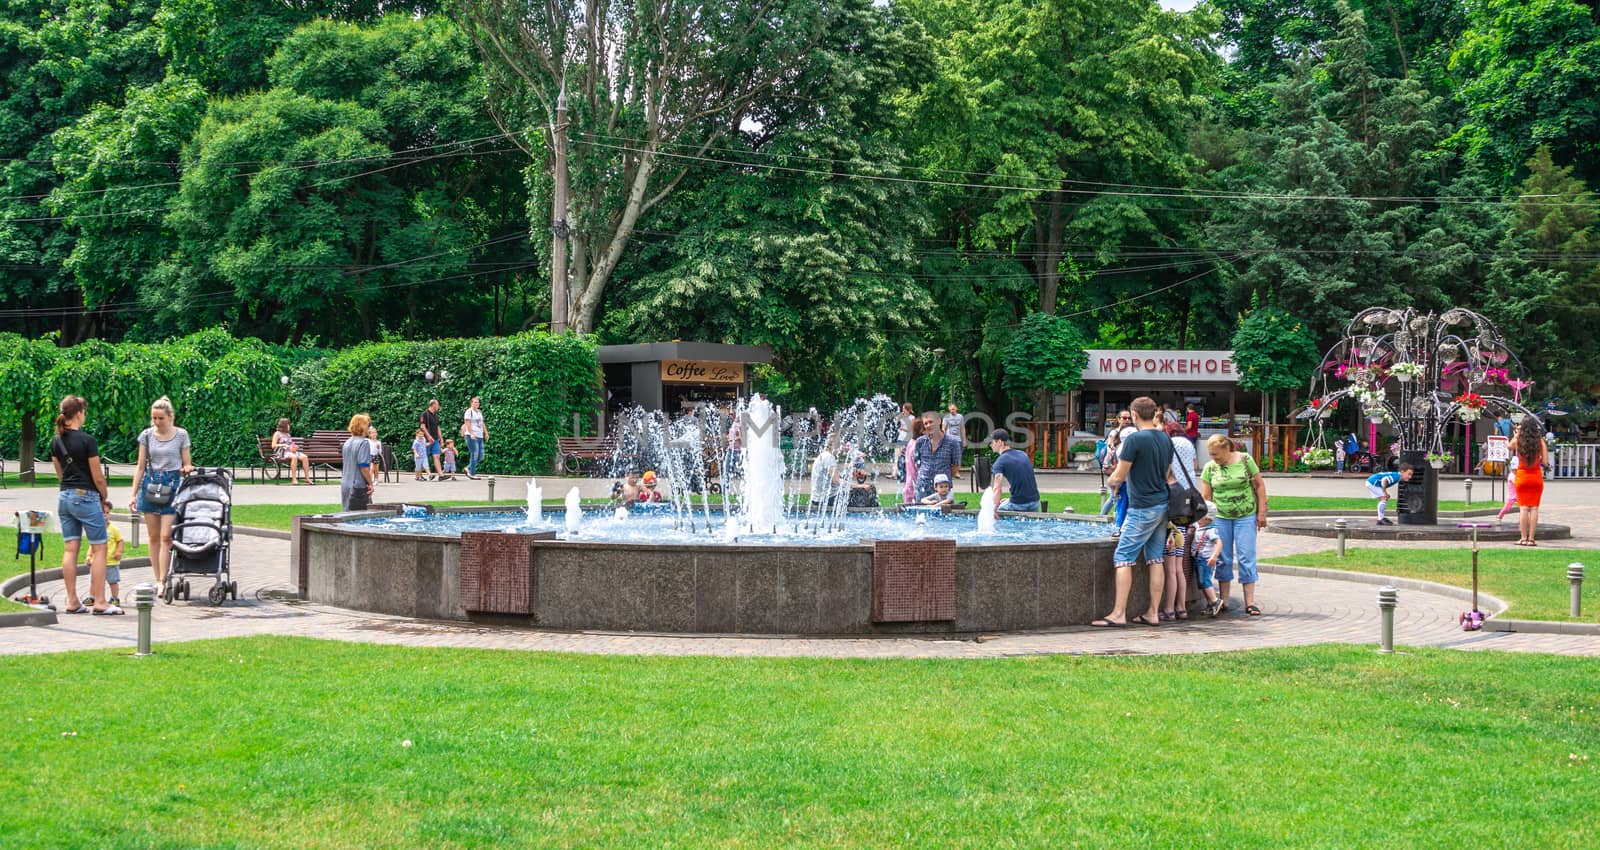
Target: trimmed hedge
column 229, row 391
column 530, row 386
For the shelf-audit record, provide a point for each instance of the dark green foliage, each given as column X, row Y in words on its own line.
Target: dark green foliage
column 1046, row 353
column 1273, row 350
column 229, row 391
column 534, row 387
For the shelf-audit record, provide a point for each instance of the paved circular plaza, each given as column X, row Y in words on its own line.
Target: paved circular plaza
column 1298, row 610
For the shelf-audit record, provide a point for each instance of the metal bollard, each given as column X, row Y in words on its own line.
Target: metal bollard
column 144, row 598
column 1388, row 598
column 491, row 488
column 1575, row 575
column 135, row 519
column 1468, row 484
column 1343, row 527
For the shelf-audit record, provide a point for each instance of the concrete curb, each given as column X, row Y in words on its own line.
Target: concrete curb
column 1494, row 604
column 42, row 618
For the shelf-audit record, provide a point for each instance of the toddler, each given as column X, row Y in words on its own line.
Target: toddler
column 419, row 454
column 448, row 458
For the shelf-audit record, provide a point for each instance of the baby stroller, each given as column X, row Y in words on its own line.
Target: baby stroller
column 202, row 535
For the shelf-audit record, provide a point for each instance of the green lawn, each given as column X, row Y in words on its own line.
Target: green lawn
column 293, row 743
column 1532, row 581
column 9, row 607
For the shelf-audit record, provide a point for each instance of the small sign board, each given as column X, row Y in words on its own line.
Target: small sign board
column 701, row 372
column 33, row 522
column 1498, row 449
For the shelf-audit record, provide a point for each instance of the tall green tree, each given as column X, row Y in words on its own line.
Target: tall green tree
column 799, row 248
column 1530, row 77
column 1319, row 216
column 652, row 88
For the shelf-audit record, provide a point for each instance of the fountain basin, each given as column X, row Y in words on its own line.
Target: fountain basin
column 844, row 585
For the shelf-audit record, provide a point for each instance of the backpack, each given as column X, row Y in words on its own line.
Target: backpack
column 1185, row 505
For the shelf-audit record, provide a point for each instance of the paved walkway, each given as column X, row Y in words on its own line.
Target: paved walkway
column 1298, row 610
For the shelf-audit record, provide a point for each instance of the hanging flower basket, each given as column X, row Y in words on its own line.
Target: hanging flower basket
column 1470, row 407
column 1440, row 461
column 1518, row 417
column 1406, row 372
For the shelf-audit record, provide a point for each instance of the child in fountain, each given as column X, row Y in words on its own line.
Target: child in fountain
column 863, row 493
column 1378, row 485
column 419, row 454
column 649, row 493
column 940, row 497
column 448, row 458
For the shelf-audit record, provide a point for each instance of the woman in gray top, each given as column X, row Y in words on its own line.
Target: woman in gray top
column 163, row 460
column 357, row 468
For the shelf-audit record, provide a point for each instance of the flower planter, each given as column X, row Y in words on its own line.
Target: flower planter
column 1376, row 420
column 1403, row 377
column 1518, row 417
column 1436, row 464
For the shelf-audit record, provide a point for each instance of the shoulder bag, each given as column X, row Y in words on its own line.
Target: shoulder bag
column 1185, row 505
column 156, row 493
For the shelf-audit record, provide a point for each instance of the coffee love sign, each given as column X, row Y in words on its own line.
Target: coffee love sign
column 1154, row 364
column 701, row 372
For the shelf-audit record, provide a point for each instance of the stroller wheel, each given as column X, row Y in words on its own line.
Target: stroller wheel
column 216, row 594
column 233, row 590
column 183, row 587
column 169, row 592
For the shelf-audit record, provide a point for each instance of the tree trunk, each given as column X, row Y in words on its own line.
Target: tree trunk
column 26, row 447
column 594, row 285
column 1048, row 266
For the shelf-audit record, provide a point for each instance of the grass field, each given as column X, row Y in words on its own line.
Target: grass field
column 292, row 743
column 1532, row 581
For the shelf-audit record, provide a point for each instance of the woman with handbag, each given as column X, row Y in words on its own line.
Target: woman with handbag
column 163, row 461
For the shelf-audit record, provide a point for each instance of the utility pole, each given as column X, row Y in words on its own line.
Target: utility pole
column 558, row 223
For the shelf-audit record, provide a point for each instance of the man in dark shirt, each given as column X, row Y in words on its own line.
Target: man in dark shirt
column 1013, row 467
column 430, row 424
column 1142, row 467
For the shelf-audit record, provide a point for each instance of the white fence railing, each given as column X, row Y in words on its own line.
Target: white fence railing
column 1575, row 460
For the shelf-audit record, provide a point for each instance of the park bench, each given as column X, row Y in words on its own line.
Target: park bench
column 324, row 449
column 584, row 450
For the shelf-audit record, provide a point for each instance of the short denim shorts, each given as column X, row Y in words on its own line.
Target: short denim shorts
column 113, row 574
column 1144, row 530
column 81, row 516
column 171, row 476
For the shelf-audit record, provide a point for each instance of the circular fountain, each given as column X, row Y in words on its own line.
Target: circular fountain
column 758, row 555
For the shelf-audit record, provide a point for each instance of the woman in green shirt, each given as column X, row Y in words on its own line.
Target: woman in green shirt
column 1234, row 482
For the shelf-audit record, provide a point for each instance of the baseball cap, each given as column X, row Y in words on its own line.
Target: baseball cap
column 941, row 478
column 999, row 434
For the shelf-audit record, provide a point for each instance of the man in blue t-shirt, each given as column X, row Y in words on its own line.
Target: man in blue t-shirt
column 1142, row 466
column 1013, row 467
column 1378, row 485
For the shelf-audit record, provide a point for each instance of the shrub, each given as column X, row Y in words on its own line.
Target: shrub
column 229, row 391
column 531, row 386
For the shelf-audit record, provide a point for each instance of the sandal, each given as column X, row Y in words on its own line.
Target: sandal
column 81, row 609
column 1166, row 616
column 109, row 611
column 1253, row 610
column 1105, row 623
column 1183, row 614
column 1144, row 621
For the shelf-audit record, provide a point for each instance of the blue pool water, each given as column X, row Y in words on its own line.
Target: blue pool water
column 666, row 527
